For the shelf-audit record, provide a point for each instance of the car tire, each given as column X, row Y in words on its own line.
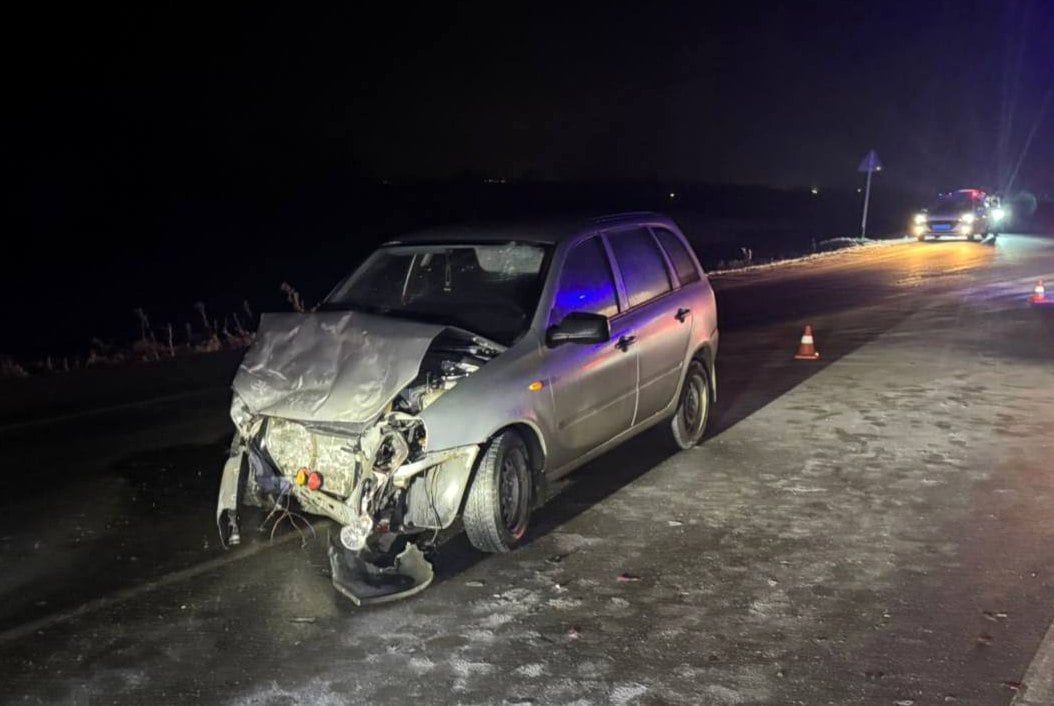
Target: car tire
column 921, row 238
column 688, row 425
column 498, row 506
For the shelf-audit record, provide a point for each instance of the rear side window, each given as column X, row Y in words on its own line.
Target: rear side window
column 682, row 261
column 586, row 283
column 642, row 265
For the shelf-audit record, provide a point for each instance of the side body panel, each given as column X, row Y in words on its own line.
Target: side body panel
column 499, row 395
column 700, row 338
column 594, row 393
column 661, row 337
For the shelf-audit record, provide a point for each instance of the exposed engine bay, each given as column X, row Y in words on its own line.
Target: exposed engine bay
column 374, row 475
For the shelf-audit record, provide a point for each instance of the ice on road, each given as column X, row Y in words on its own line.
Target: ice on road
column 872, row 527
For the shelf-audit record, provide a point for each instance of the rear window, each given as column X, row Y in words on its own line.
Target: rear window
column 678, row 253
column 642, row 265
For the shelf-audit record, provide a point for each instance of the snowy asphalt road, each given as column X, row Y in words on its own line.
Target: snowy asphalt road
column 876, row 527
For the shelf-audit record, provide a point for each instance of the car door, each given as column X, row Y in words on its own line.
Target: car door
column 659, row 316
column 593, row 386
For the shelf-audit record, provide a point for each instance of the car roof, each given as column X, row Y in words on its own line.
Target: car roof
column 549, row 231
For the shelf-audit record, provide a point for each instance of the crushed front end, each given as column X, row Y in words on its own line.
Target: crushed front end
column 375, row 478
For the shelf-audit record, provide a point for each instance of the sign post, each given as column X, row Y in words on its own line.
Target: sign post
column 871, row 164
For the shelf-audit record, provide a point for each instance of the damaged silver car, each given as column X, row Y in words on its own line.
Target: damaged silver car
column 455, row 373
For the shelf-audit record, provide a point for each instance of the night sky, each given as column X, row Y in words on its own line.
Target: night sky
column 123, row 128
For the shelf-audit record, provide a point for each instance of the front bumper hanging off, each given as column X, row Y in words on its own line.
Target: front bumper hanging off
column 361, row 574
column 366, row 583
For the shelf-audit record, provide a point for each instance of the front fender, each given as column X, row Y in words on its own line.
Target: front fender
column 497, row 396
column 434, row 497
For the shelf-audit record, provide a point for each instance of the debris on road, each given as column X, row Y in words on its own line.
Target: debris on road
column 994, row 617
column 364, row 583
column 984, row 639
column 302, row 620
column 627, row 578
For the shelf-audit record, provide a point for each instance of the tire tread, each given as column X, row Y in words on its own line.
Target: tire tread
column 482, row 523
column 675, row 432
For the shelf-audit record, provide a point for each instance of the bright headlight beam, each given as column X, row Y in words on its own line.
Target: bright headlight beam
column 967, row 218
column 920, row 218
column 998, row 214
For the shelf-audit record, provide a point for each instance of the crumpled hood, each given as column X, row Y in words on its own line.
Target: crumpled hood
column 330, row 366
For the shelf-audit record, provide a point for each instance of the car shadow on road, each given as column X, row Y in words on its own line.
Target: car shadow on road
column 175, row 486
column 756, row 367
column 133, row 520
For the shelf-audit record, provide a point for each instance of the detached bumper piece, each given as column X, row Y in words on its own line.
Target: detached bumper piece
column 365, row 583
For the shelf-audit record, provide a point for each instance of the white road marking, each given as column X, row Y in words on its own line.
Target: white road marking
column 112, row 408
column 1039, row 677
column 20, row 631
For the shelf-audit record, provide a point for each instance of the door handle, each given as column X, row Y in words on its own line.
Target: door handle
column 624, row 342
column 682, row 314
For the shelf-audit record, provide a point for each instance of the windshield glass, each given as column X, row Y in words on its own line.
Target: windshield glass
column 951, row 203
column 491, row 290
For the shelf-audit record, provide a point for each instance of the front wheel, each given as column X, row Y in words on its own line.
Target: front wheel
column 693, row 410
column 498, row 507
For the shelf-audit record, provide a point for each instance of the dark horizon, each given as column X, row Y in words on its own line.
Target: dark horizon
column 157, row 150
column 758, row 93
column 229, row 252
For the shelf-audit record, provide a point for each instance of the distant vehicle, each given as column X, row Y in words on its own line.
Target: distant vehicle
column 969, row 213
column 455, row 373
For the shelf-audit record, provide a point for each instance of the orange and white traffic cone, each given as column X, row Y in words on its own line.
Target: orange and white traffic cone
column 1039, row 294
column 807, row 350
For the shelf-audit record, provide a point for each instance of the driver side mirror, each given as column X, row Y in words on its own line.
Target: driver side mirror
column 579, row 327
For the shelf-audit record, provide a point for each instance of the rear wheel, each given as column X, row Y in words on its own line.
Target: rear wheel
column 498, row 506
column 693, row 411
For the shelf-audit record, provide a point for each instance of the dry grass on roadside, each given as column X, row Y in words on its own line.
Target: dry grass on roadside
column 204, row 333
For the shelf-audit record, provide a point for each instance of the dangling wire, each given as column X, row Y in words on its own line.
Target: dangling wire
column 281, row 512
